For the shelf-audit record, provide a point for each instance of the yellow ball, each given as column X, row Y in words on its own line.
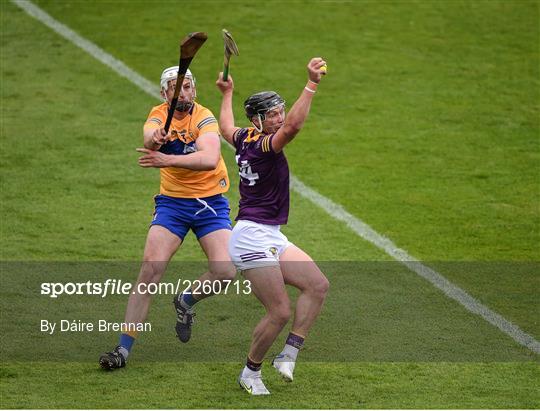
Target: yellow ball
column 324, row 69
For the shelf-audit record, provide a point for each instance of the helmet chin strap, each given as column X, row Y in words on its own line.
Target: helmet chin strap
column 260, row 128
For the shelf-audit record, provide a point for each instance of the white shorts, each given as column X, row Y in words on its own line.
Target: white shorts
column 255, row 245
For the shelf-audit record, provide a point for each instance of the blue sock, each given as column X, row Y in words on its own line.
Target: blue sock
column 126, row 341
column 188, row 299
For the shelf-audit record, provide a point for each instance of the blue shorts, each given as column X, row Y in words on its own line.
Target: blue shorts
column 202, row 215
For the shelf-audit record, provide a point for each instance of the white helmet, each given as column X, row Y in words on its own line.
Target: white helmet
column 171, row 73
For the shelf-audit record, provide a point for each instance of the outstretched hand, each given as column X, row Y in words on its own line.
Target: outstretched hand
column 153, row 158
column 314, row 69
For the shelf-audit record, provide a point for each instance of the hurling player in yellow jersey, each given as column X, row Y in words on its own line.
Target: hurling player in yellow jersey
column 193, row 178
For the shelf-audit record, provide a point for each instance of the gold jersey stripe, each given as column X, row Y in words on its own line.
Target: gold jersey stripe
column 266, row 144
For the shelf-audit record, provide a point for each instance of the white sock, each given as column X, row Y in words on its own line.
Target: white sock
column 249, row 373
column 290, row 351
column 124, row 352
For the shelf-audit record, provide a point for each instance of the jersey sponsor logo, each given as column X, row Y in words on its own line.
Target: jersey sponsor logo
column 190, row 148
column 245, row 171
column 178, row 147
column 182, row 135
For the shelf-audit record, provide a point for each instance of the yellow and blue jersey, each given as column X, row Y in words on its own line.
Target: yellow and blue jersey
column 182, row 182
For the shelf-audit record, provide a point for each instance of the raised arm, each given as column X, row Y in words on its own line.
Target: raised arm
column 226, row 115
column 300, row 109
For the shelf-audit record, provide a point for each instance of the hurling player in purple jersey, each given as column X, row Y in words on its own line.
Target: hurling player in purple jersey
column 257, row 246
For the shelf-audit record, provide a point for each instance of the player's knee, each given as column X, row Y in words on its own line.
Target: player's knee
column 281, row 314
column 152, row 271
column 223, row 271
column 321, row 287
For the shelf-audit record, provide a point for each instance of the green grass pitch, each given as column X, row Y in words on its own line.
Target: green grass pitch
column 426, row 128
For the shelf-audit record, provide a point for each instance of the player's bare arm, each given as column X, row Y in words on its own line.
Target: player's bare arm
column 226, row 115
column 205, row 158
column 299, row 111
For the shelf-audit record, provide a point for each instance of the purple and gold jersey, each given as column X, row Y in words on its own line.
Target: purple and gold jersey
column 264, row 178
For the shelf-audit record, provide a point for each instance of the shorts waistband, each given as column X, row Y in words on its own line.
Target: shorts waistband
column 267, row 226
column 192, row 199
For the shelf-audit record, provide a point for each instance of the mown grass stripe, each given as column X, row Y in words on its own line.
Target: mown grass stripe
column 89, row 47
column 335, row 210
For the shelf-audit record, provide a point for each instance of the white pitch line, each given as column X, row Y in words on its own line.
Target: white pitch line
column 436, row 279
column 89, row 47
column 335, row 210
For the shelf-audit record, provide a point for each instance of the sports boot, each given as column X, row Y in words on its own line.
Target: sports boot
column 252, row 383
column 184, row 319
column 285, row 366
column 112, row 360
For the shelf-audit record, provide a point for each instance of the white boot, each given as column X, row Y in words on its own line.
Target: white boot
column 285, row 366
column 251, row 381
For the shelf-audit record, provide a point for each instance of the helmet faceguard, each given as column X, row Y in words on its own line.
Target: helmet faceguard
column 259, row 104
column 171, row 73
